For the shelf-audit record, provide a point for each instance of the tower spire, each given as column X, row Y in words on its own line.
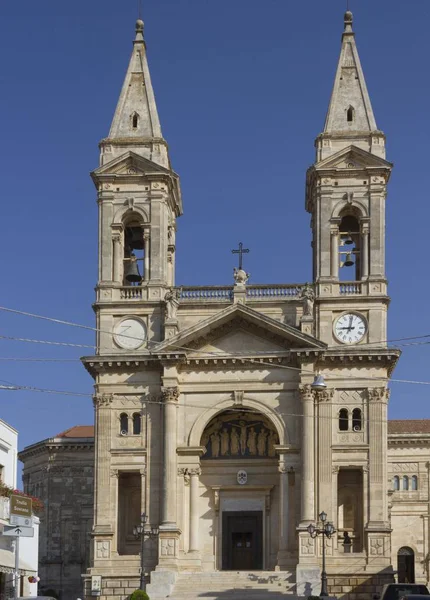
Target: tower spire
column 350, row 116
column 136, row 125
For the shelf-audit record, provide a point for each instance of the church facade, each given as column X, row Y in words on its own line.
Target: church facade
column 233, row 416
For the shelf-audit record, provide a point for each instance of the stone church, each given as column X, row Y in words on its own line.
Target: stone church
column 232, row 416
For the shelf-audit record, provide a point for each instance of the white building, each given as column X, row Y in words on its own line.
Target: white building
column 28, row 546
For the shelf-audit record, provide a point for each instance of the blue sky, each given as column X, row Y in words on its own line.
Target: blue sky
column 242, row 89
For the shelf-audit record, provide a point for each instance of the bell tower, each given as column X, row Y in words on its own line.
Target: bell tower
column 139, row 200
column 345, row 195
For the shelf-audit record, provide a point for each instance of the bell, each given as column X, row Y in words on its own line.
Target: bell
column 132, row 274
column 348, row 240
column 136, row 238
column 348, row 260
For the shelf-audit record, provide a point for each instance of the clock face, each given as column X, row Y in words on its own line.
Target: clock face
column 350, row 328
column 130, row 334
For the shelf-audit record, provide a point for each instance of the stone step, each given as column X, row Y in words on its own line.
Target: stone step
column 239, row 585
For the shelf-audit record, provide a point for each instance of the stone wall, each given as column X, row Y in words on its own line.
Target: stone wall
column 61, row 473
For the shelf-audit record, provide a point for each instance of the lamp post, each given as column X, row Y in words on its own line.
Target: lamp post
column 326, row 530
column 140, row 532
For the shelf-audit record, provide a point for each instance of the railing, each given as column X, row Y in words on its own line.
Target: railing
column 215, row 293
column 131, row 293
column 274, row 291
column 349, row 288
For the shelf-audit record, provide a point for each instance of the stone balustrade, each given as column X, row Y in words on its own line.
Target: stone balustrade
column 216, row 293
column 254, row 292
column 349, row 288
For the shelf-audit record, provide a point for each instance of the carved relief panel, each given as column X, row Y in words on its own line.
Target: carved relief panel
column 239, row 435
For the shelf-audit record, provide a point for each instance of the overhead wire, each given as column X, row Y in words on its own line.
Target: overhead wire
column 207, row 354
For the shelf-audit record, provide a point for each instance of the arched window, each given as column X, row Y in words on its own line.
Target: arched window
column 123, row 423
column 349, row 249
column 135, row 121
column 396, row 483
column 133, row 252
column 350, row 114
column 356, row 419
column 405, row 482
column 414, row 482
column 137, row 423
column 343, row 419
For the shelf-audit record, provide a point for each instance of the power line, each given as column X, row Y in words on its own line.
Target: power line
column 97, row 330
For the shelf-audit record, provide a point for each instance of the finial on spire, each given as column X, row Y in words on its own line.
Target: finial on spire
column 139, row 31
column 348, row 19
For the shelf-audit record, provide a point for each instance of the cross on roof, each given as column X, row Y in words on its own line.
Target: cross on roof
column 241, row 251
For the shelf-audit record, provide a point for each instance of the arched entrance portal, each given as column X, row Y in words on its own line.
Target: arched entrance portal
column 406, row 565
column 240, row 465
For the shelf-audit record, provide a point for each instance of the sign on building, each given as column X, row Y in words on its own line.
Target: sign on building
column 96, row 585
column 20, row 506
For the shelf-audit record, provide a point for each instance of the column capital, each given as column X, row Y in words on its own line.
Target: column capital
column 324, row 395
column 306, row 392
column 379, row 394
column 196, row 471
column 102, row 400
column 169, row 394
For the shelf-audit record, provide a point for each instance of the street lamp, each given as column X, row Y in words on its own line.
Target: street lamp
column 139, row 531
column 326, row 530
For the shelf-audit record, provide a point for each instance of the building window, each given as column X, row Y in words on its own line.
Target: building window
column 396, row 483
column 136, row 424
column 405, row 482
column 343, row 419
column 350, row 113
column 123, row 423
column 135, row 120
column 414, row 483
column 356, row 419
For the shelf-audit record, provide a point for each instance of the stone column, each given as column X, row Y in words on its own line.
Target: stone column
column 117, row 257
column 194, row 509
column 365, row 251
column 378, row 506
column 324, row 454
column 283, row 513
column 104, row 520
column 334, row 253
column 308, row 468
column 170, row 397
column 146, row 272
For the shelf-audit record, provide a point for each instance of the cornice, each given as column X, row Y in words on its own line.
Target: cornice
column 58, row 445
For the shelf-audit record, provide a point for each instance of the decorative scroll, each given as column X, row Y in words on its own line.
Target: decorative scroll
column 243, row 435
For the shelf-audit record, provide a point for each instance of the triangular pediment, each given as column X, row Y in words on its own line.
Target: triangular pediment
column 130, row 164
column 240, row 330
column 353, row 158
column 239, row 340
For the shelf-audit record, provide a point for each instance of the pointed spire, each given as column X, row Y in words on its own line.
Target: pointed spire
column 350, row 109
column 135, row 124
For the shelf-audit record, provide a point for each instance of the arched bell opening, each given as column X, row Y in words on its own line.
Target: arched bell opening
column 406, row 565
column 241, row 435
column 349, row 248
column 134, row 251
